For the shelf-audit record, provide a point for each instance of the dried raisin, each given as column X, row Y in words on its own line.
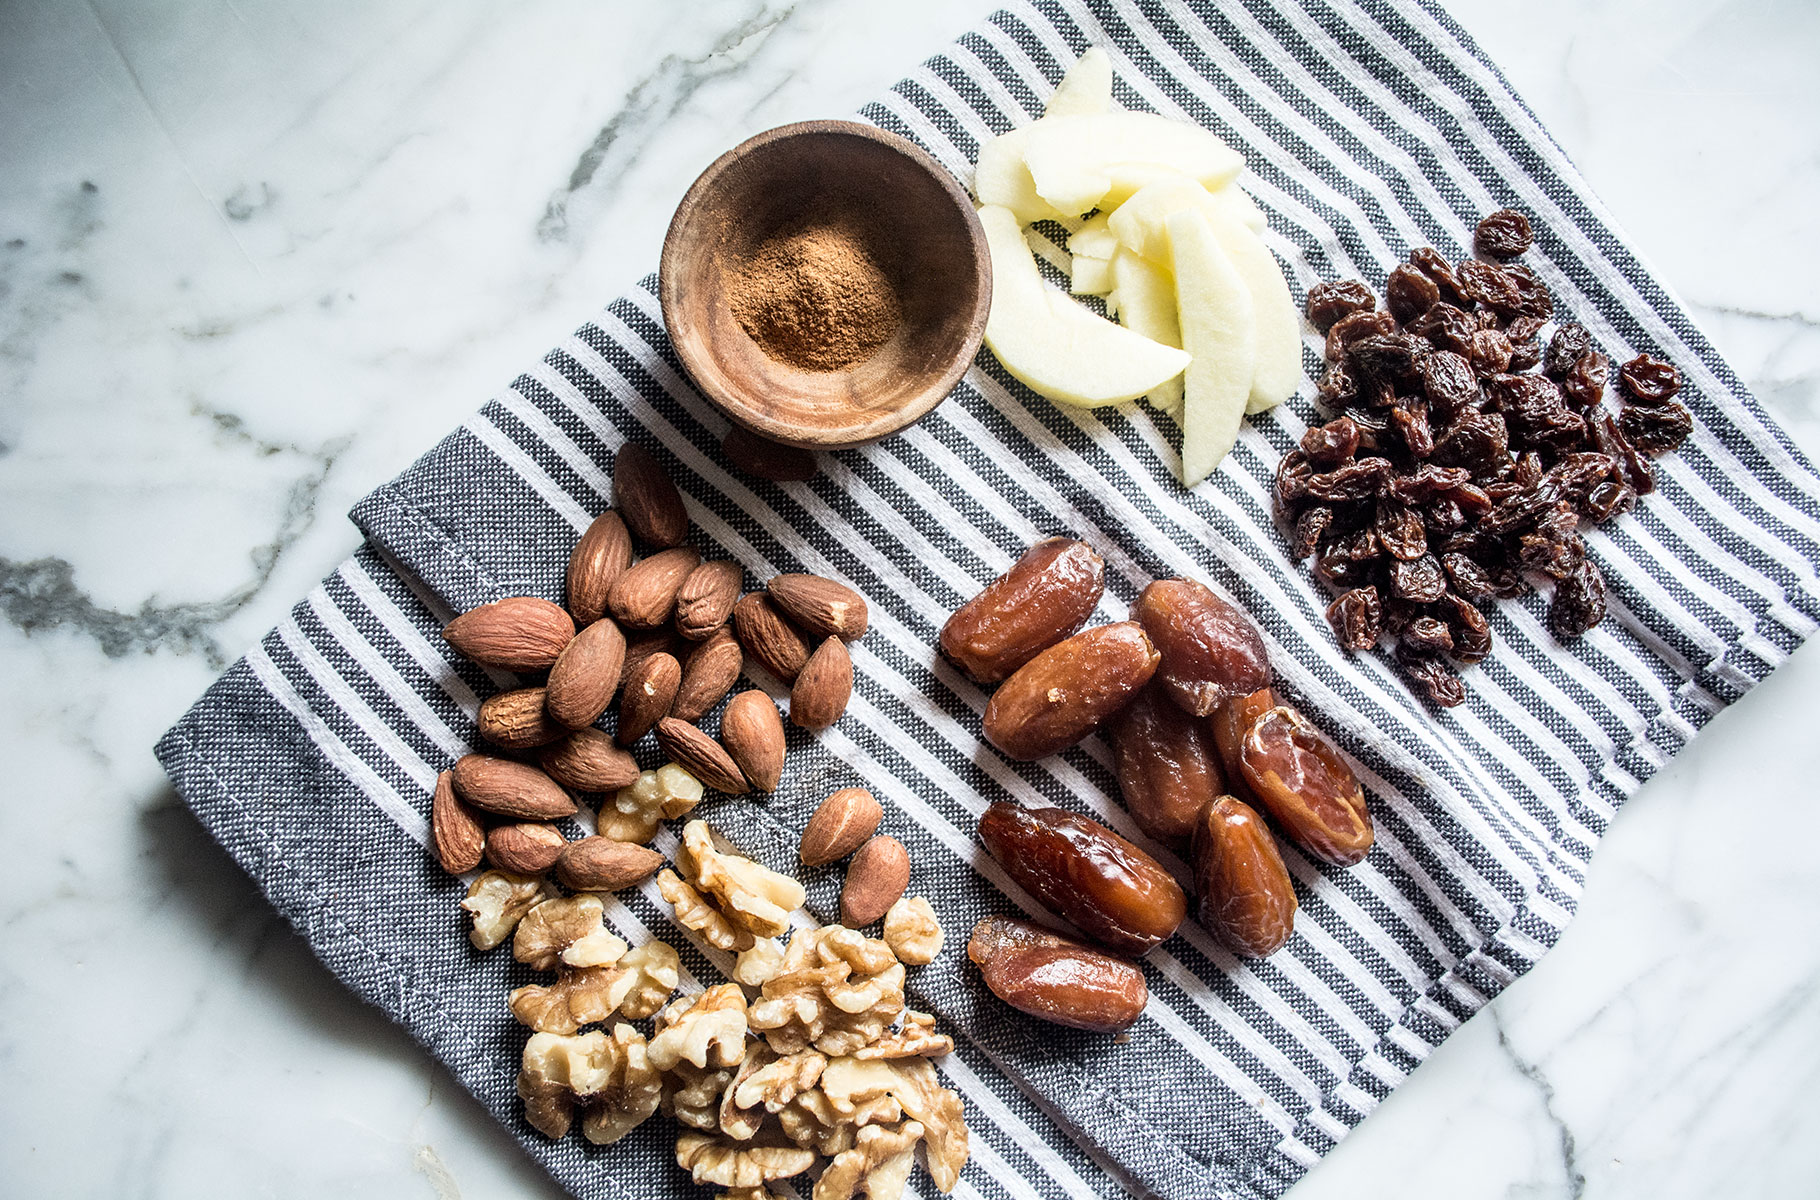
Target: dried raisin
column 1330, row 445
column 1328, row 302
column 1492, row 286
column 1655, row 429
column 1504, row 234
column 1350, row 328
column 1357, row 618
column 1579, row 601
column 1445, row 327
column 1431, row 263
column 1310, row 528
column 1565, row 349
column 1649, row 379
column 1584, row 382
column 1409, row 293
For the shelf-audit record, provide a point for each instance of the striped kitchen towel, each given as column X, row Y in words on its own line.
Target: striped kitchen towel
column 1370, row 127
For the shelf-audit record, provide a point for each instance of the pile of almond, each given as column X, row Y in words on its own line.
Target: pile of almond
column 668, row 636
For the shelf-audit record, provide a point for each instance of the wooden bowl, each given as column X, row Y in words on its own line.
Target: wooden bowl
column 916, row 223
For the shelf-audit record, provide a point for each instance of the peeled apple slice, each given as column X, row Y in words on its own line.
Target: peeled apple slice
column 1219, row 331
column 1091, row 276
column 1279, row 322
column 1088, row 162
column 1146, row 295
column 1052, row 344
column 1094, row 238
column 1001, row 178
column 1086, row 89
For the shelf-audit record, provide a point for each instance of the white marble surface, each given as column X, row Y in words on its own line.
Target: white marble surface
column 256, row 254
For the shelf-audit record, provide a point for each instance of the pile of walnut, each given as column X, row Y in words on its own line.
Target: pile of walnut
column 668, row 636
column 1202, row 743
column 822, row 1058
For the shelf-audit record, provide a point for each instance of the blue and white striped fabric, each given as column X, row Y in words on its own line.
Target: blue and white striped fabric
column 1370, row 128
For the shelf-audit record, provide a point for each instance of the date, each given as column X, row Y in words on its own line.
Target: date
column 1300, row 778
column 1040, row 972
column 1068, row 691
column 1210, row 650
column 1229, row 725
column 1047, row 595
column 1246, row 898
column 1168, row 766
column 1080, row 870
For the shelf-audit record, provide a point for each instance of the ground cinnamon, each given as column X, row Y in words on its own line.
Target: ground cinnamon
column 813, row 296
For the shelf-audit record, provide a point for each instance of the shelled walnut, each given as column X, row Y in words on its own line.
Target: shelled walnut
column 707, row 1030
column 732, row 1164
column 838, row 991
column 912, row 931
column 751, row 900
column 571, row 932
column 498, row 901
column 635, row 811
column 609, row 1076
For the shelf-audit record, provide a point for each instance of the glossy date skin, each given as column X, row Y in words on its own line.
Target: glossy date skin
column 1106, row 887
column 1300, row 778
column 1045, row 596
column 1168, row 765
column 1210, row 650
column 1056, row 978
column 1246, row 897
column 1229, row 724
column 1068, row 691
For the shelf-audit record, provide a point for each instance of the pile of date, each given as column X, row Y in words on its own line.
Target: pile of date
column 1205, row 753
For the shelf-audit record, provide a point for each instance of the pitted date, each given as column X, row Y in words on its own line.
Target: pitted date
column 1080, row 870
column 1168, row 767
column 1304, row 783
column 1056, row 978
column 1230, row 723
column 1068, row 691
column 1210, row 650
column 1047, row 595
column 1246, row 898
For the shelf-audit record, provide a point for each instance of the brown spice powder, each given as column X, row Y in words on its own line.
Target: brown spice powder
column 814, row 297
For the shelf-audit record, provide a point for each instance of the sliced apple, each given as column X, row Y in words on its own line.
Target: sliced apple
column 1238, row 202
column 1146, row 305
column 1094, row 238
column 1091, row 276
column 1087, row 162
column 1052, row 344
column 1279, row 323
column 1001, row 178
column 1086, row 89
column 1219, row 332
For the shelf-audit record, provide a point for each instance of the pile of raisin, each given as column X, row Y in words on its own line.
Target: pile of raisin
column 1463, row 455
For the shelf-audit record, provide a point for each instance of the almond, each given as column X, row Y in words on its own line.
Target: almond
column 649, row 692
column 599, row 864
column 648, row 498
column 589, row 761
column 510, row 789
column 586, row 675
column 641, row 646
column 876, row 878
column 701, row 756
column 530, row 848
column 768, row 638
column 753, row 734
column 645, row 596
column 454, row 829
column 521, row 633
column 709, row 672
column 517, row 720
column 821, row 606
column 840, row 826
column 767, row 459
column 706, row 598
column 821, row 692
column 603, row 552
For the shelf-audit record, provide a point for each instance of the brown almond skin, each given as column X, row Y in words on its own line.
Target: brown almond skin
column 1109, row 889
column 1056, row 978
column 586, row 675
column 598, row 864
column 876, row 879
column 518, row 720
column 753, row 733
column 705, row 599
column 1300, row 778
column 820, row 606
column 645, row 595
column 589, row 761
column 1246, row 897
column 455, row 831
column 1067, row 691
column 1168, row 766
column 1230, row 722
column 648, row 499
column 649, row 692
column 840, row 826
column 701, row 756
column 708, row 673
column 509, row 789
column 642, row 645
column 1047, row 595
column 768, row 638
column 1211, row 651
column 603, row 552
column 528, row 848
column 519, row 633
column 767, row 459
column 823, row 687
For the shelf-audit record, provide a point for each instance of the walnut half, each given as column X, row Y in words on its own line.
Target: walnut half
column 610, row 1076
column 707, row 1030
column 498, row 901
column 712, row 1160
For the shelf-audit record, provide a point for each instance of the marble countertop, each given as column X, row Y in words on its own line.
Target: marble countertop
column 256, row 255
